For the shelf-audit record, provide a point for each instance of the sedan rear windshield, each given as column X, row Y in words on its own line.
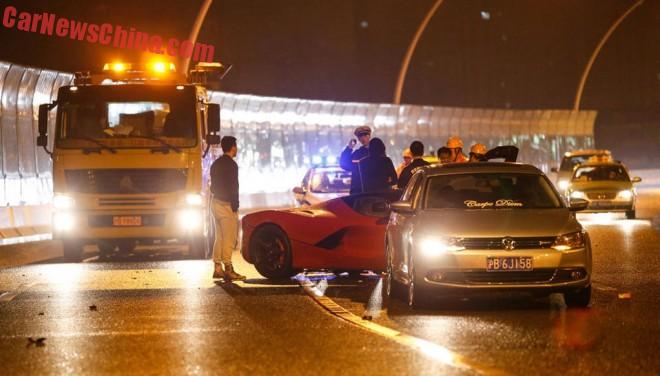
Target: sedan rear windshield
column 491, row 191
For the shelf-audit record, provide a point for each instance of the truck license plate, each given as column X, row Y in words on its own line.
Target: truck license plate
column 127, row 221
column 509, row 264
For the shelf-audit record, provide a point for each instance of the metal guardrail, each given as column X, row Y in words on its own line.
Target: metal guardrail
column 280, row 137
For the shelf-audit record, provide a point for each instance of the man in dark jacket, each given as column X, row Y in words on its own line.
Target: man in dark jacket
column 377, row 171
column 349, row 159
column 417, row 150
column 224, row 187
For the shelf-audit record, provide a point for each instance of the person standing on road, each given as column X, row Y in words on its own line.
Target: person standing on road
column 478, row 153
column 417, row 150
column 224, row 187
column 444, row 155
column 348, row 160
column 407, row 158
column 377, row 170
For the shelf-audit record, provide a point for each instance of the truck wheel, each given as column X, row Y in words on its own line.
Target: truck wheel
column 72, row 250
column 106, row 248
column 630, row 214
column 199, row 248
column 271, row 251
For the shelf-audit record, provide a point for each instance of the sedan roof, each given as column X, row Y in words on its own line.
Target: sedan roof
column 459, row 168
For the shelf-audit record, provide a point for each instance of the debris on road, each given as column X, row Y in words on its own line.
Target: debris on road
column 625, row 296
column 39, row 342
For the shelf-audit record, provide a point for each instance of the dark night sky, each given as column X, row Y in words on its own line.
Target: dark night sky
column 528, row 54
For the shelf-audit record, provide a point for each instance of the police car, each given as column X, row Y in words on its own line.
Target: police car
column 322, row 183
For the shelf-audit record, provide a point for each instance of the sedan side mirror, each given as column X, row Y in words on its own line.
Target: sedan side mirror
column 402, row 207
column 298, row 190
column 636, row 179
column 578, row 204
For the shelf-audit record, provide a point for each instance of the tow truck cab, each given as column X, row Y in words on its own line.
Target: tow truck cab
column 131, row 153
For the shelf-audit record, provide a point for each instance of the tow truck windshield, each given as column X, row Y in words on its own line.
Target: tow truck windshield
column 128, row 116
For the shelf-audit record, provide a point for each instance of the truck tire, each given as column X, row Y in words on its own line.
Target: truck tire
column 73, row 250
column 201, row 247
column 630, row 214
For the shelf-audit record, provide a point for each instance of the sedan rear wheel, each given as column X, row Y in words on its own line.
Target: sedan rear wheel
column 271, row 252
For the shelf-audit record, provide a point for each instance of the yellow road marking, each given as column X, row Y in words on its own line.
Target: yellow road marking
column 430, row 349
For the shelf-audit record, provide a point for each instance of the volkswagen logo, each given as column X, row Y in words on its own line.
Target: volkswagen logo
column 509, row 244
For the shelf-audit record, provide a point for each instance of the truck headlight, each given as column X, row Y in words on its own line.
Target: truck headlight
column 434, row 246
column 578, row 194
column 563, row 185
column 63, row 202
column 572, row 240
column 193, row 199
column 625, row 195
column 190, row 219
column 63, row 222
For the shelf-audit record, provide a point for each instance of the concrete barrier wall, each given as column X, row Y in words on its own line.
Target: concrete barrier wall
column 17, row 221
column 280, row 138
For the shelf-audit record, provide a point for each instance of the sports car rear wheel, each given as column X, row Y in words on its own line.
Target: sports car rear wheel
column 271, row 251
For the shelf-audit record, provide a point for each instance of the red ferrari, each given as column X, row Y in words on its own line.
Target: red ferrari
column 345, row 233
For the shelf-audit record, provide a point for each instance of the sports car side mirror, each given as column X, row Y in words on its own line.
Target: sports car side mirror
column 636, row 179
column 298, row 190
column 402, row 207
column 578, row 204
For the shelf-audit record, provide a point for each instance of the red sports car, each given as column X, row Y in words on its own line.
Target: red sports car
column 345, row 233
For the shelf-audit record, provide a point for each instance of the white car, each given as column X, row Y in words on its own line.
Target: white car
column 322, row 184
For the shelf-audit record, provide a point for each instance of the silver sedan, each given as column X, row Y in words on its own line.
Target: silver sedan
column 470, row 228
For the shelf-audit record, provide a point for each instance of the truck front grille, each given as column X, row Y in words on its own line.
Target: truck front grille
column 126, row 181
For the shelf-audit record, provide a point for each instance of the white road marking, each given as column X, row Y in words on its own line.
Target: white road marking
column 432, row 350
column 10, row 295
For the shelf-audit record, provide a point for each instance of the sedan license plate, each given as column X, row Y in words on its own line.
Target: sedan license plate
column 509, row 264
column 127, row 221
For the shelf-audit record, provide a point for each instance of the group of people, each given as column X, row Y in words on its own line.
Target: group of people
column 373, row 171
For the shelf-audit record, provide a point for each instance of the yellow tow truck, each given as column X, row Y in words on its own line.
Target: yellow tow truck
column 131, row 150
